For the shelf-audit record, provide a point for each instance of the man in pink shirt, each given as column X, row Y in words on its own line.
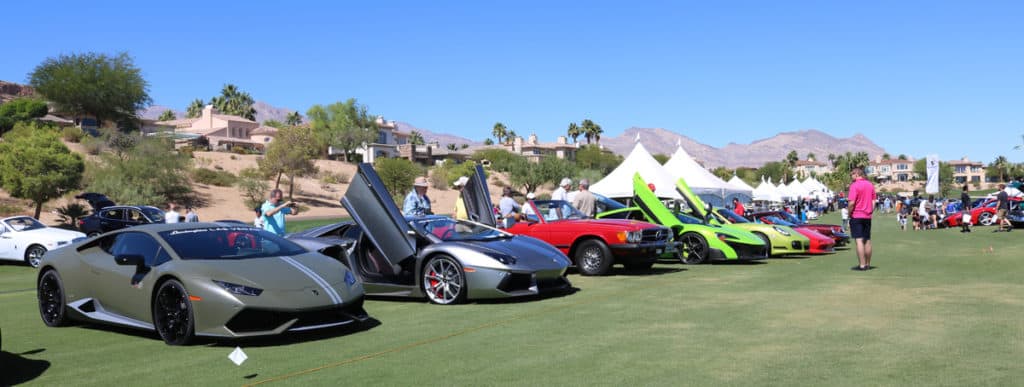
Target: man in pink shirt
column 862, row 203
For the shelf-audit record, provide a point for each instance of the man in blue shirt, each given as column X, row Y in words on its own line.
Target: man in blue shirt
column 274, row 211
column 416, row 202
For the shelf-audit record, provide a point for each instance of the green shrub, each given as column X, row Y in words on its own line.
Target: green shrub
column 397, row 175
column 327, row 177
column 73, row 134
column 253, row 186
column 8, row 210
column 70, row 213
column 187, row 150
column 92, row 145
column 212, row 177
column 343, row 178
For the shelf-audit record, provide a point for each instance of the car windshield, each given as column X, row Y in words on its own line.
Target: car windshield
column 687, row 219
column 779, row 221
column 555, row 210
column 228, row 243
column 732, row 216
column 154, row 214
column 788, row 217
column 448, row 229
column 24, row 223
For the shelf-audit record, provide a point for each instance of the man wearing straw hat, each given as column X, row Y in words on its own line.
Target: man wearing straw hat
column 416, row 202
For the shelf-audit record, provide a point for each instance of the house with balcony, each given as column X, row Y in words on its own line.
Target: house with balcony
column 224, row 131
column 890, row 170
column 967, row 171
column 385, row 145
column 811, row 167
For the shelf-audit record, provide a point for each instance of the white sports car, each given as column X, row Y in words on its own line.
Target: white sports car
column 23, row 238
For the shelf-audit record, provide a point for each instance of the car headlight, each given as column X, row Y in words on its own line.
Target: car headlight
column 239, row 289
column 781, row 230
column 503, row 258
column 635, row 236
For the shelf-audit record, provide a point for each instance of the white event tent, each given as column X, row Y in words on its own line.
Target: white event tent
column 619, row 183
column 705, row 184
column 766, row 192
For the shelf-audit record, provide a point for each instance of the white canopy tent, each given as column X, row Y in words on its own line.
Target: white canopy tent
column 766, row 192
column 797, row 189
column 785, row 192
column 619, row 183
column 705, row 184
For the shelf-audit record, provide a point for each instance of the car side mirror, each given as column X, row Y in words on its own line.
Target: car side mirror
column 130, row 260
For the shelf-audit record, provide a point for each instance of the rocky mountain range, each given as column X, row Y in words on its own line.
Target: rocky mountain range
column 754, row 154
column 264, row 111
column 429, row 136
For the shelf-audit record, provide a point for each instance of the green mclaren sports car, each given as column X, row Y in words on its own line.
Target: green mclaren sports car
column 700, row 240
column 197, row 279
column 781, row 240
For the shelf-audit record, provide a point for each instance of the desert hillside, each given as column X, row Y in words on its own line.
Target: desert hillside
column 320, row 200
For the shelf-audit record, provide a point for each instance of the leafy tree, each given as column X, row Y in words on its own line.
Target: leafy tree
column 661, row 158
column 416, row 138
column 37, row 166
column 397, row 174
column 810, row 155
column 839, row 179
column 777, row 171
column 886, row 156
column 999, row 168
column 195, row 108
column 20, row 110
column 275, row 124
column 146, row 173
column 343, row 125
column 167, row 115
column 500, row 159
column 234, row 102
column 499, row 131
column 291, row 153
column 488, row 141
column 722, row 173
column 530, row 176
column 106, row 87
column 901, row 157
column 592, row 157
column 253, row 186
column 293, row 119
column 574, row 131
column 591, row 130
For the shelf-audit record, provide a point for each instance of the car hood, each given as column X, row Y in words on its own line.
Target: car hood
column 52, row 233
column 529, row 253
column 607, row 224
column 274, row 273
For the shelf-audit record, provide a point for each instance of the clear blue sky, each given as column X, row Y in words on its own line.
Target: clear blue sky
column 917, row 77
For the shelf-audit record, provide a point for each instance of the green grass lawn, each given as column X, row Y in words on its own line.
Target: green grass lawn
column 942, row 308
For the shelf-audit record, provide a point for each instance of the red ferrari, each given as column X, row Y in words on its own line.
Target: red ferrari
column 593, row 245
column 820, row 243
column 984, row 214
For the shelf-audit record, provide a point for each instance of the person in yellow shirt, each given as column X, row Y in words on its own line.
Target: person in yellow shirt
column 460, row 205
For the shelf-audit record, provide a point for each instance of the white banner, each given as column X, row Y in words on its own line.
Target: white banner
column 932, row 167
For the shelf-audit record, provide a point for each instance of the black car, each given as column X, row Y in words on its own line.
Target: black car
column 108, row 216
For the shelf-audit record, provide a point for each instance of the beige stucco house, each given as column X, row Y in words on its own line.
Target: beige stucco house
column 223, row 130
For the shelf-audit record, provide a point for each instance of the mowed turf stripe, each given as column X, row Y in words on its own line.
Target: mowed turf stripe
column 6, row 292
column 653, row 284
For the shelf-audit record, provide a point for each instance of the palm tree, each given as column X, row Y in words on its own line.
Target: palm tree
column 810, row 155
column 416, row 138
column 791, row 158
column 832, row 159
column 1002, row 166
column 1021, row 145
column 511, row 136
column 235, row 102
column 901, row 157
column 591, row 130
column 293, row 119
column 885, row 156
column 452, row 147
column 574, row 131
column 499, row 131
column 195, row 108
column 167, row 115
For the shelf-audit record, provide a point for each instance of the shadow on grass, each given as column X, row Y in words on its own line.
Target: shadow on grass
column 259, row 341
column 16, row 369
column 619, row 270
column 739, row 262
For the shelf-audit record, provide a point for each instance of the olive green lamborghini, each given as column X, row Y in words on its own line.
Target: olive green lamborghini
column 197, row 279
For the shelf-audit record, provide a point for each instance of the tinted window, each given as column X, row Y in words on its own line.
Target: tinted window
column 136, row 216
column 351, row 232
column 448, row 229
column 113, row 213
column 228, row 243
column 154, row 214
column 136, row 243
column 23, row 223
